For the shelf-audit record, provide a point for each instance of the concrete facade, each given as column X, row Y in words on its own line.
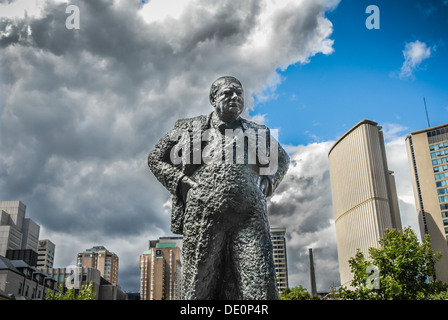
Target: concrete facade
column 16, row 231
column 111, row 292
column 45, row 254
column 365, row 202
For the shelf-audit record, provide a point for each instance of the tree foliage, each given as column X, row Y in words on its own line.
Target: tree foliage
column 297, row 293
column 85, row 293
column 403, row 267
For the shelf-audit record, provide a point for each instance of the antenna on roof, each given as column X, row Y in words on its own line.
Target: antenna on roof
column 426, row 109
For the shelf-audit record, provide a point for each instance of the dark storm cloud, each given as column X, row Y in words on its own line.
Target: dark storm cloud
column 81, row 109
column 13, row 32
column 303, row 205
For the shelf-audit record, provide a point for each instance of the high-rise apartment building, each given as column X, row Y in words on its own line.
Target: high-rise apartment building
column 428, row 160
column 161, row 271
column 280, row 260
column 45, row 254
column 178, row 240
column 363, row 189
column 102, row 259
column 16, row 231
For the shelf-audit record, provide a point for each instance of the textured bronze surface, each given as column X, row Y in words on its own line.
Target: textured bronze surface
column 219, row 169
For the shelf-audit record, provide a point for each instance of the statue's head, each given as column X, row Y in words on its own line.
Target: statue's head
column 227, row 98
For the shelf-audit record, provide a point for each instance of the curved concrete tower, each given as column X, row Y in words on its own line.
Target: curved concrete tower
column 363, row 190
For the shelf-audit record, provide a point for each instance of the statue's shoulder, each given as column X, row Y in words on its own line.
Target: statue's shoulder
column 188, row 123
column 253, row 124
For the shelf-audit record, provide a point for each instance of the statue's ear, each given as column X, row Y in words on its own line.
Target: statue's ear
column 212, row 100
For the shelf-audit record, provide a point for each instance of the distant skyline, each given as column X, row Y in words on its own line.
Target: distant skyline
column 80, row 109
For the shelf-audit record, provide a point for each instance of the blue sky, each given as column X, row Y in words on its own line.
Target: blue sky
column 322, row 99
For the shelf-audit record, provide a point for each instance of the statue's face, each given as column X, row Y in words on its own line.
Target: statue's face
column 229, row 101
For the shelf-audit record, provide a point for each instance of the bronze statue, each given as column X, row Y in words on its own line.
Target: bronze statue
column 219, row 169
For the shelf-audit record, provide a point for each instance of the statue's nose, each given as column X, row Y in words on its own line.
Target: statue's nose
column 235, row 95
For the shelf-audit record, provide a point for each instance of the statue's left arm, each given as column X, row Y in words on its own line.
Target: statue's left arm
column 276, row 176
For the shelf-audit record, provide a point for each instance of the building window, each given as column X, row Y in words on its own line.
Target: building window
column 443, row 183
column 437, row 132
column 440, row 168
column 439, row 176
column 440, row 153
column 438, row 146
column 439, row 161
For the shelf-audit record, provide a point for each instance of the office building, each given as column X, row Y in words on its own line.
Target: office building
column 16, row 231
column 280, row 260
column 102, row 259
column 83, row 276
column 45, row 254
column 427, row 151
column 363, row 189
column 76, row 277
column 27, row 255
column 161, row 271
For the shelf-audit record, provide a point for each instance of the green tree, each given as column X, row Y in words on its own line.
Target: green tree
column 401, row 264
column 85, row 293
column 441, row 294
column 297, row 293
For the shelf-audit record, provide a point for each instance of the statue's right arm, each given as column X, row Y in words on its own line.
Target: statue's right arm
column 164, row 170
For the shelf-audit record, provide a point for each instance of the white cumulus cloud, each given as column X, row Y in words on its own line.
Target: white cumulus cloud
column 414, row 54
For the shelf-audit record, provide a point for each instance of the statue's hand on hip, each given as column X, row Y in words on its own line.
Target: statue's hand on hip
column 187, row 186
column 264, row 186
